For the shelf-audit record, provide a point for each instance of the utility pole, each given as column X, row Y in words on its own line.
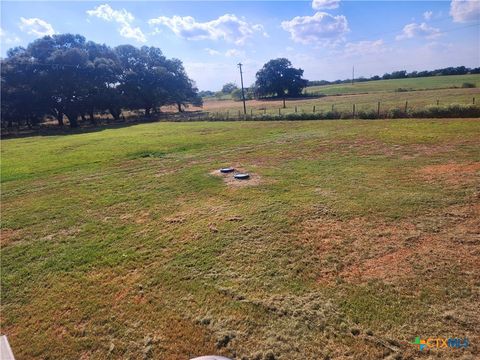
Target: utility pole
column 243, row 92
column 353, row 74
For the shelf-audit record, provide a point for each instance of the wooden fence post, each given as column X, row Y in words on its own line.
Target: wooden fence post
column 333, row 106
column 354, row 111
column 279, row 111
column 473, row 101
column 378, row 109
column 406, row 106
column 314, row 109
column 295, row 108
column 437, row 102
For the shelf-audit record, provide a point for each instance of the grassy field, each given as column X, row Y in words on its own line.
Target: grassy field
column 425, row 83
column 419, row 93
column 351, row 239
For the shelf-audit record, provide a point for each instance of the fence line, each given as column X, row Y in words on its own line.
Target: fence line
column 357, row 111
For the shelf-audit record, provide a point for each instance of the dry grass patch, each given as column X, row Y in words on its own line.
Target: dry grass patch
column 452, row 173
column 9, row 236
column 360, row 249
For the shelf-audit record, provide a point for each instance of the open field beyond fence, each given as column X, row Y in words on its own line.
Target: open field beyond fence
column 351, row 239
column 344, row 103
column 396, row 85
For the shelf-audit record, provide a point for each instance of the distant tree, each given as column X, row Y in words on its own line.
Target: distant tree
column 206, row 93
column 229, row 87
column 424, row 74
column 236, row 94
column 278, row 77
column 399, row 74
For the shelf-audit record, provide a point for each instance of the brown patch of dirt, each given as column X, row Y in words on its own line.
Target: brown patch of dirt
column 359, row 250
column 228, row 178
column 142, row 217
column 139, row 218
column 8, row 236
column 452, row 173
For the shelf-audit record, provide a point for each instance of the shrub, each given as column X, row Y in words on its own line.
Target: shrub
column 396, row 114
column 332, row 115
column 449, row 111
column 367, row 114
column 297, row 116
column 468, row 85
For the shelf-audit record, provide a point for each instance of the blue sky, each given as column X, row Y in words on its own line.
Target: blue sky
column 323, row 37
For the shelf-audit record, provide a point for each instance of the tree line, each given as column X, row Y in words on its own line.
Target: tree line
column 67, row 76
column 403, row 74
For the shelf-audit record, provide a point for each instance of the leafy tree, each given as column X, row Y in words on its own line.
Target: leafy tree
column 206, row 93
column 182, row 90
column 64, row 75
column 236, row 94
column 229, row 87
column 102, row 78
column 142, row 76
column 22, row 101
column 61, row 61
column 278, row 77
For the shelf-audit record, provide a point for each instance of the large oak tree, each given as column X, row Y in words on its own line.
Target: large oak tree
column 278, row 78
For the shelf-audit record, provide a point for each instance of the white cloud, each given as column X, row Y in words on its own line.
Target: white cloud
column 234, row 53
column 325, row 4
column 8, row 38
column 36, row 26
column 418, row 30
column 121, row 17
column 212, row 52
column 465, row 10
column 229, row 53
column 427, row 15
column 365, row 47
column 319, row 28
column 227, row 27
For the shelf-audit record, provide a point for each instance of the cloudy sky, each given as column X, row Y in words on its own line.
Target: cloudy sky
column 323, row 37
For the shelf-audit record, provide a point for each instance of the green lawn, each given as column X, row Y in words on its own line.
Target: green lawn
column 424, row 83
column 351, row 239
